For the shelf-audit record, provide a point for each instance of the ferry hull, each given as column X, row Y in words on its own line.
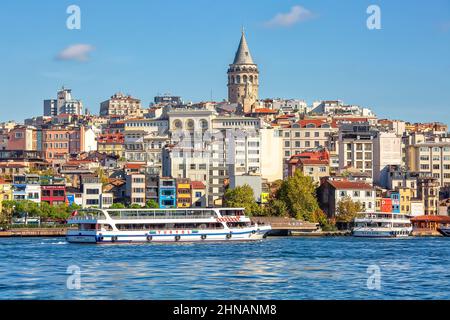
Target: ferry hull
column 377, row 235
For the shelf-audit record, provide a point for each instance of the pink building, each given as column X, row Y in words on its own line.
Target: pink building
column 22, row 138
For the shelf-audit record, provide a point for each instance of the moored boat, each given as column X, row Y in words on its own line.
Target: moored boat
column 163, row 225
column 382, row 225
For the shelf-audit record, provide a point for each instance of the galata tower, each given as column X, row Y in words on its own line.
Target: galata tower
column 243, row 80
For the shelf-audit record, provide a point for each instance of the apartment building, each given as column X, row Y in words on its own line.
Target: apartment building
column 332, row 191
column 184, row 193
column 199, row 196
column 428, row 191
column 22, row 138
column 306, row 134
column 430, row 156
column 63, row 104
column 120, row 104
column 60, row 141
column 167, row 193
column 92, row 193
column 136, row 188
column 112, row 144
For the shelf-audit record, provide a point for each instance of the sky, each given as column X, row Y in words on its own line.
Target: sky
column 311, row 50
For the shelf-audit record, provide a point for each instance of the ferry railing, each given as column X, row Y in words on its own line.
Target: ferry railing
column 156, row 214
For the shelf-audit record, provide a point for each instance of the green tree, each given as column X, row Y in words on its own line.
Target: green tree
column 347, row 210
column 276, row 208
column 242, row 197
column 299, row 195
column 118, row 206
column 151, row 204
column 135, row 206
column 7, row 211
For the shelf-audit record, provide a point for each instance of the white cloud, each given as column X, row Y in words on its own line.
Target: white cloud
column 296, row 15
column 76, row 52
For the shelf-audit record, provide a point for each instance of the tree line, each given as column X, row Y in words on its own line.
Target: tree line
column 295, row 197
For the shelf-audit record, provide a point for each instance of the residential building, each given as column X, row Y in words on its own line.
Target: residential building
column 135, row 188
column 50, row 108
column 59, row 142
column 64, row 104
column 199, row 196
column 167, row 193
column 332, row 191
column 314, row 163
column 305, row 135
column 23, row 138
column 406, row 195
column 31, row 192
column 92, row 193
column 366, row 148
column 430, row 156
column 184, row 193
column 387, row 151
column 271, row 150
column 112, row 144
column 53, row 194
column 316, row 169
column 395, row 197
column 120, row 104
column 428, row 191
column 6, row 192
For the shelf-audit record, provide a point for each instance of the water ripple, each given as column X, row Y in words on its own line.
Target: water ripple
column 277, row 268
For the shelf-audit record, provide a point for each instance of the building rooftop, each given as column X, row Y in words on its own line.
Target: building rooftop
column 349, row 185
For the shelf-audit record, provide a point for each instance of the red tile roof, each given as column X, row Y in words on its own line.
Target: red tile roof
column 314, row 161
column 350, row 185
column 198, row 185
column 431, row 218
column 134, row 165
column 264, row 110
column 111, row 138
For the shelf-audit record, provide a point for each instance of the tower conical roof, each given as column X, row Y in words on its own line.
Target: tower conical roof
column 243, row 55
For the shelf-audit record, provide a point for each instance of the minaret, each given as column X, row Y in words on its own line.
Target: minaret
column 243, row 81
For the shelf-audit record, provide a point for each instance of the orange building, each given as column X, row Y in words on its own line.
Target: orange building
column 58, row 143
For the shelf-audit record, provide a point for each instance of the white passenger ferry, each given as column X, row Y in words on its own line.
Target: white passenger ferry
column 163, row 225
column 382, row 225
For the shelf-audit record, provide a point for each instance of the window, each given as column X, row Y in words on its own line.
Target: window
column 297, row 134
column 92, row 191
column 92, row 202
column 193, row 166
column 198, row 194
column 287, row 144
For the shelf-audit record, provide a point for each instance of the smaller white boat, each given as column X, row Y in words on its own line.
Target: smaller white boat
column 382, row 225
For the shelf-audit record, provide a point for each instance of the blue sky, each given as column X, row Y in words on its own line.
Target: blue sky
column 184, row 47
